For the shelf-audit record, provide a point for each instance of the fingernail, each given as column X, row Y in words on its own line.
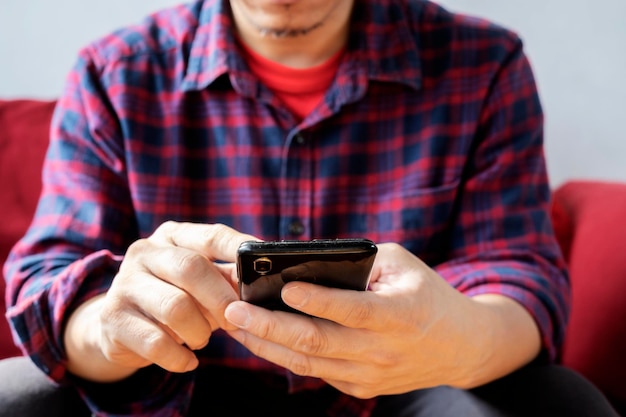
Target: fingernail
column 192, row 364
column 295, row 296
column 237, row 315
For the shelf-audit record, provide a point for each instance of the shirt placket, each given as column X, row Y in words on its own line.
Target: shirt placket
column 297, row 190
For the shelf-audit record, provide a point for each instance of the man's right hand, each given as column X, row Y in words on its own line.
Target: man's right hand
column 166, row 300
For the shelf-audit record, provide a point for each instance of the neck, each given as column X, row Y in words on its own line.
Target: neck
column 302, row 49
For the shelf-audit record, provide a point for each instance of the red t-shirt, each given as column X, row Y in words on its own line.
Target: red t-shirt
column 299, row 89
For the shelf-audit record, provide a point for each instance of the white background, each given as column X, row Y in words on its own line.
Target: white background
column 577, row 49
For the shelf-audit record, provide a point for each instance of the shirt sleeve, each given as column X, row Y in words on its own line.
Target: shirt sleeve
column 503, row 241
column 83, row 224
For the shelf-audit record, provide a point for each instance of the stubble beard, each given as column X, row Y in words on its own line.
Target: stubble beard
column 286, row 32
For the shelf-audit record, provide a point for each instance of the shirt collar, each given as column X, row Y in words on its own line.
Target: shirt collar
column 384, row 43
column 382, row 47
column 213, row 50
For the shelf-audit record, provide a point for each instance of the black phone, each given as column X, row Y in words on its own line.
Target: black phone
column 265, row 267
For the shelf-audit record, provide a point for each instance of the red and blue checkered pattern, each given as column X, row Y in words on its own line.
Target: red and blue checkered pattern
column 430, row 136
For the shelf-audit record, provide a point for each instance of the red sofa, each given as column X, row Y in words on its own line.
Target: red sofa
column 587, row 218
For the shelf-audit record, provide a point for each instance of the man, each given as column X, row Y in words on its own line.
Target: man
column 216, row 123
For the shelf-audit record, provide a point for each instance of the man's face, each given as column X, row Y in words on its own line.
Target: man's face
column 286, row 18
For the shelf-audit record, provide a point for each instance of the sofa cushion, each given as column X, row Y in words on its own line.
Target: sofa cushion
column 589, row 218
column 24, row 126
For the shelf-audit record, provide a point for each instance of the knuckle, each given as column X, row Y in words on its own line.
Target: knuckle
column 165, row 228
column 300, row 365
column 112, row 352
column 265, row 329
column 109, row 314
column 384, row 360
column 213, row 232
column 361, row 314
column 199, row 343
column 177, row 307
column 112, row 311
column 136, row 248
column 152, row 345
column 362, row 392
column 311, row 342
column 217, row 236
column 222, row 301
column 367, row 386
column 394, row 249
column 190, row 264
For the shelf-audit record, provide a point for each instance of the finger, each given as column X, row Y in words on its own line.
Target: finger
column 138, row 334
column 362, row 390
column 353, row 309
column 392, row 263
column 229, row 271
column 215, row 241
column 188, row 270
column 296, row 362
column 174, row 309
column 297, row 333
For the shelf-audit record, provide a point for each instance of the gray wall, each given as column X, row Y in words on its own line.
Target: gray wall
column 577, row 48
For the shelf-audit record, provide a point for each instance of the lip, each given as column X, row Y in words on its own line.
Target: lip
column 280, row 2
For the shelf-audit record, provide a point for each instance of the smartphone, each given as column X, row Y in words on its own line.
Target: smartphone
column 265, row 267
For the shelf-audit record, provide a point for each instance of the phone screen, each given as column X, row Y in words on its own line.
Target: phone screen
column 265, row 267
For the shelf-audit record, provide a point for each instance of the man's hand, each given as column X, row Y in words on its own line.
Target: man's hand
column 167, row 299
column 411, row 331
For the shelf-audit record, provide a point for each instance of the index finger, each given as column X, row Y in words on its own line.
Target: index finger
column 215, row 241
column 350, row 308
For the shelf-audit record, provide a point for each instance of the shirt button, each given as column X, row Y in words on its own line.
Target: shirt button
column 300, row 140
column 296, row 228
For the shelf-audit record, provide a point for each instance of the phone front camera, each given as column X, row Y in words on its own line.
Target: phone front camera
column 262, row 265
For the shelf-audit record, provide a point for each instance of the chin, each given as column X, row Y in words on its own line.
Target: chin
column 286, row 32
column 285, row 18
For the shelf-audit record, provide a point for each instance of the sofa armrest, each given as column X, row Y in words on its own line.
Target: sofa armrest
column 24, row 130
column 589, row 219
